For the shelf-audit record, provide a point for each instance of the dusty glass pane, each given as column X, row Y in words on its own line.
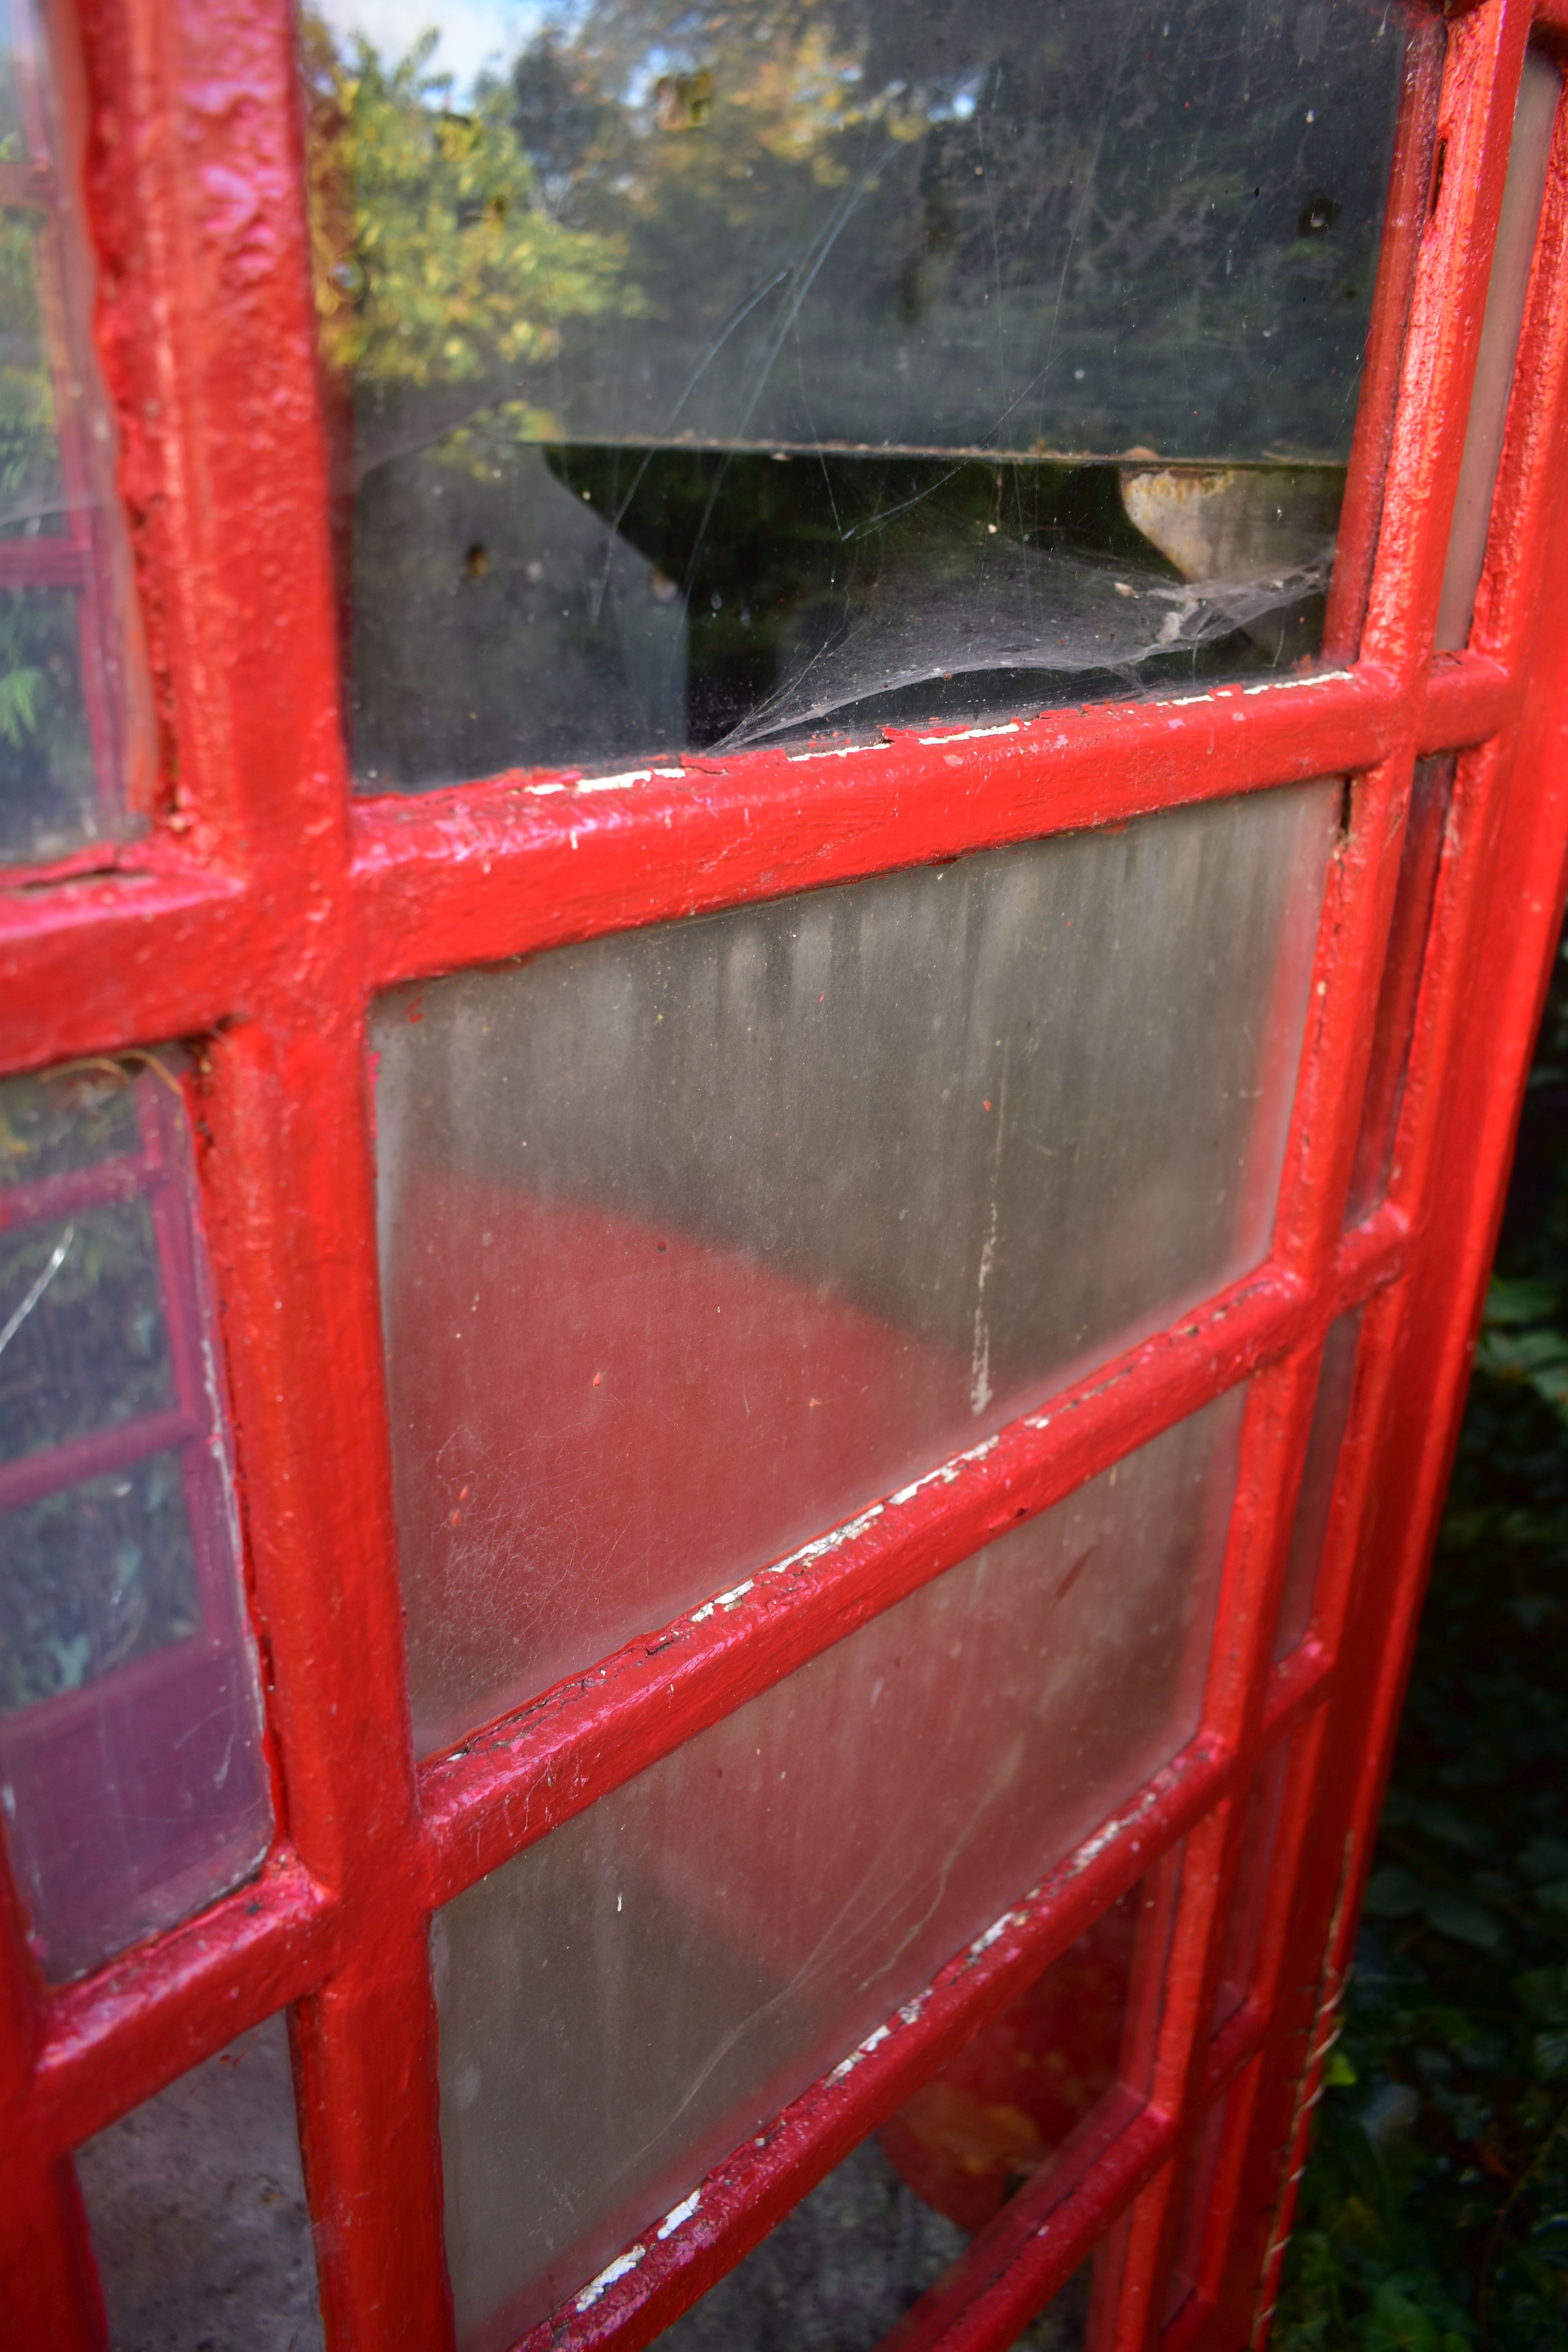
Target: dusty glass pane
column 697, row 1239
column 625, row 2001
column 196, row 2206
column 708, row 377
column 132, row 1776
column 74, row 733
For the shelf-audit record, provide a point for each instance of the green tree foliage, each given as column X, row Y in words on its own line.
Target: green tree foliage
column 434, row 265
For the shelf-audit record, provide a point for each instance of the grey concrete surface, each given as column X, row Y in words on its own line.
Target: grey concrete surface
column 197, row 2211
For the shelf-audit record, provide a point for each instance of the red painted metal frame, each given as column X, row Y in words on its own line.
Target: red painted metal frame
column 266, row 909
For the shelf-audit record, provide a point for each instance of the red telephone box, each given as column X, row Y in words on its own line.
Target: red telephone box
column 785, row 809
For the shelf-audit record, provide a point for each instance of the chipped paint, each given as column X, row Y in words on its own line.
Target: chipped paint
column 627, row 778
column 678, row 2213
column 824, row 1544
column 838, row 752
column 973, row 734
column 946, row 1471
column 609, row 2275
column 861, row 2050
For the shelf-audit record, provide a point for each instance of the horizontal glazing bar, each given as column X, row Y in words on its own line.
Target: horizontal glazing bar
column 512, row 1784
column 54, row 1466
column 112, row 960
column 505, row 1790
column 1010, row 2272
column 97, row 962
column 520, row 864
column 45, row 564
column 73, row 1189
column 741, row 2199
column 112, row 2040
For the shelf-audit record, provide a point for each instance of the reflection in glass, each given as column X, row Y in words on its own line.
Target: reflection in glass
column 996, row 2116
column 196, row 2203
column 628, row 1999
column 696, row 1240
column 74, row 726
column 131, row 1769
column 714, row 378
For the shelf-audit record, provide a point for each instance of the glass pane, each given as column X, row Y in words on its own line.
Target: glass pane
column 1244, row 1928
column 196, row 2207
column 697, row 1239
column 1336, row 1385
column 623, row 2002
column 75, row 726
column 1515, row 249
column 708, row 377
column 999, row 2113
column 844, row 2268
column 130, row 1768
column 1394, row 1023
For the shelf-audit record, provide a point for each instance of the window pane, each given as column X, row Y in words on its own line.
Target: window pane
column 710, row 378
column 1394, row 1023
column 843, row 2269
column 1534, row 117
column 131, row 1766
column 697, row 1239
column 196, row 2207
column 75, row 734
column 625, row 2001
column 1336, row 1385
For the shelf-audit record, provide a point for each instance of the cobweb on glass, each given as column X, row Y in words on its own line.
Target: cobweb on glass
column 1026, row 612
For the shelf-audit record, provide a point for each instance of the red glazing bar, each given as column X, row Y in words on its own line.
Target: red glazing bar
column 536, row 1770
column 50, row 1198
column 102, row 1449
column 1484, row 57
column 514, row 866
column 364, row 2049
column 1514, row 575
column 1468, row 696
column 510, row 1784
column 1021, row 2258
column 742, row 2199
column 1493, row 932
column 88, row 966
column 52, row 2301
column 1403, row 220
column 116, row 2038
column 45, row 564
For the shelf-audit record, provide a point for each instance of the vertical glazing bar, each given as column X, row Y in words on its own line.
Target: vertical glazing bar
column 199, row 208
column 1481, row 74
column 1492, row 938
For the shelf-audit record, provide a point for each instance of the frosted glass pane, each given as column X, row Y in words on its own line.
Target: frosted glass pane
column 132, row 1775
column 196, row 2202
column 623, row 2002
column 696, row 1239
